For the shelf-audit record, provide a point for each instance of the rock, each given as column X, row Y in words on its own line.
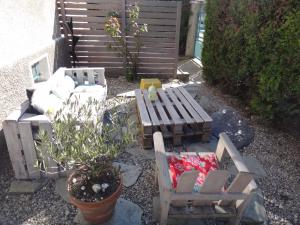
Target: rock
column 255, row 213
column 130, row 173
column 61, row 189
column 25, row 187
column 229, row 121
column 96, row 188
column 253, row 165
column 126, row 213
column 207, row 104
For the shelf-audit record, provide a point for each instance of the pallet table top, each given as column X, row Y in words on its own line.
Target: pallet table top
column 174, row 107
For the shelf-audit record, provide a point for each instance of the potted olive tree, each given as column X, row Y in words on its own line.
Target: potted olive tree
column 84, row 145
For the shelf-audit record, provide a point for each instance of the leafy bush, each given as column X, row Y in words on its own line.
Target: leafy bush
column 252, row 50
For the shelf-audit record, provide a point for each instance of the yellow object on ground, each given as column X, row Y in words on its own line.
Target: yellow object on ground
column 146, row 83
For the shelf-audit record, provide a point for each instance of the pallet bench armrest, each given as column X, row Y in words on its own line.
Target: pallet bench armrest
column 225, row 144
column 161, row 161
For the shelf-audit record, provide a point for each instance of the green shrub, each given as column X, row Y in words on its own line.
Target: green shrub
column 252, row 50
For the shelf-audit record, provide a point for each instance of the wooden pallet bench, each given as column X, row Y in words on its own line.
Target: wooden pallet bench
column 175, row 113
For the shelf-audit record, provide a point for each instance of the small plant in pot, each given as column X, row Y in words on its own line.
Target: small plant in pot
column 82, row 144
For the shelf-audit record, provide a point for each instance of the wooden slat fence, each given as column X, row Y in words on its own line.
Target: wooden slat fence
column 159, row 54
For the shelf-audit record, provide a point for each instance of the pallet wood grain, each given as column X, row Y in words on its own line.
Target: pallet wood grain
column 171, row 115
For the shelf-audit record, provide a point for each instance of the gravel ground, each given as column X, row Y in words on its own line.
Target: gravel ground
column 277, row 151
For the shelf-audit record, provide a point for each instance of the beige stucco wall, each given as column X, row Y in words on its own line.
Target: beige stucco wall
column 29, row 29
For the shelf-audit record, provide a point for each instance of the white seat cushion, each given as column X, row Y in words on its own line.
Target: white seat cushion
column 89, row 89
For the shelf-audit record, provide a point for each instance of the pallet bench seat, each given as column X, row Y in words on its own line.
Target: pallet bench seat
column 21, row 129
column 219, row 197
column 175, row 113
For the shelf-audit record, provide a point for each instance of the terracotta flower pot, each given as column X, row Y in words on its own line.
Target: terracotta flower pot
column 101, row 211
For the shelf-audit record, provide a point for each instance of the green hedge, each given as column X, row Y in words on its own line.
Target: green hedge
column 252, row 50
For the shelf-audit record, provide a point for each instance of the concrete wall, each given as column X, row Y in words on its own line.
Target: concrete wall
column 29, row 29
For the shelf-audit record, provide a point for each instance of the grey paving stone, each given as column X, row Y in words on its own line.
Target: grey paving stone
column 130, row 173
column 61, row 188
column 126, row 213
column 25, row 187
column 255, row 212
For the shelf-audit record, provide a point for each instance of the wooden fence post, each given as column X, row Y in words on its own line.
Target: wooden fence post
column 178, row 22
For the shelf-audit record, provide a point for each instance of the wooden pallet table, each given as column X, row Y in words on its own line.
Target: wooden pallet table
column 175, row 113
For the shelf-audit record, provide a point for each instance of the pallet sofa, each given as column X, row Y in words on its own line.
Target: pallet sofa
column 21, row 126
column 217, row 197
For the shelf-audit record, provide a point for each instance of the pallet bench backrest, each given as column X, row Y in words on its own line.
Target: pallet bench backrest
column 20, row 128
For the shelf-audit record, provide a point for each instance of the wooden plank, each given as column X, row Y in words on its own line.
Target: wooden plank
column 157, row 21
column 86, row 12
column 153, row 9
column 97, row 54
column 201, row 212
column 233, row 153
column 162, row 113
column 188, row 106
column 29, row 149
column 62, row 11
column 143, row 113
column 152, row 3
column 208, row 196
column 197, row 107
column 91, row 1
column 186, row 183
column 179, row 106
column 14, row 147
column 52, row 170
column 214, row 183
column 112, row 6
column 177, row 35
column 238, row 185
column 157, row 15
column 172, row 112
column 152, row 113
column 99, row 59
column 161, row 162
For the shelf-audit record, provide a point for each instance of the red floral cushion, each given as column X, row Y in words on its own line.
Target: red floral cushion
column 203, row 163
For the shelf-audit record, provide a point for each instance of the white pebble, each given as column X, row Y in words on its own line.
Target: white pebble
column 96, row 188
column 74, row 180
column 82, row 188
column 104, row 186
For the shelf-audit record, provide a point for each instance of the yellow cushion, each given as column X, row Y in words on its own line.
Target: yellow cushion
column 145, row 83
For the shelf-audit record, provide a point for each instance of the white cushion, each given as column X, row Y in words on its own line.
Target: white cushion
column 61, row 92
column 89, row 88
column 68, row 83
column 54, row 104
column 39, row 100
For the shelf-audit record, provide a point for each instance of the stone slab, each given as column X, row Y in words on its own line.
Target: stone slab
column 126, row 213
column 61, row 189
column 253, row 165
column 229, row 121
column 137, row 151
column 130, row 173
column 25, row 187
column 255, row 212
